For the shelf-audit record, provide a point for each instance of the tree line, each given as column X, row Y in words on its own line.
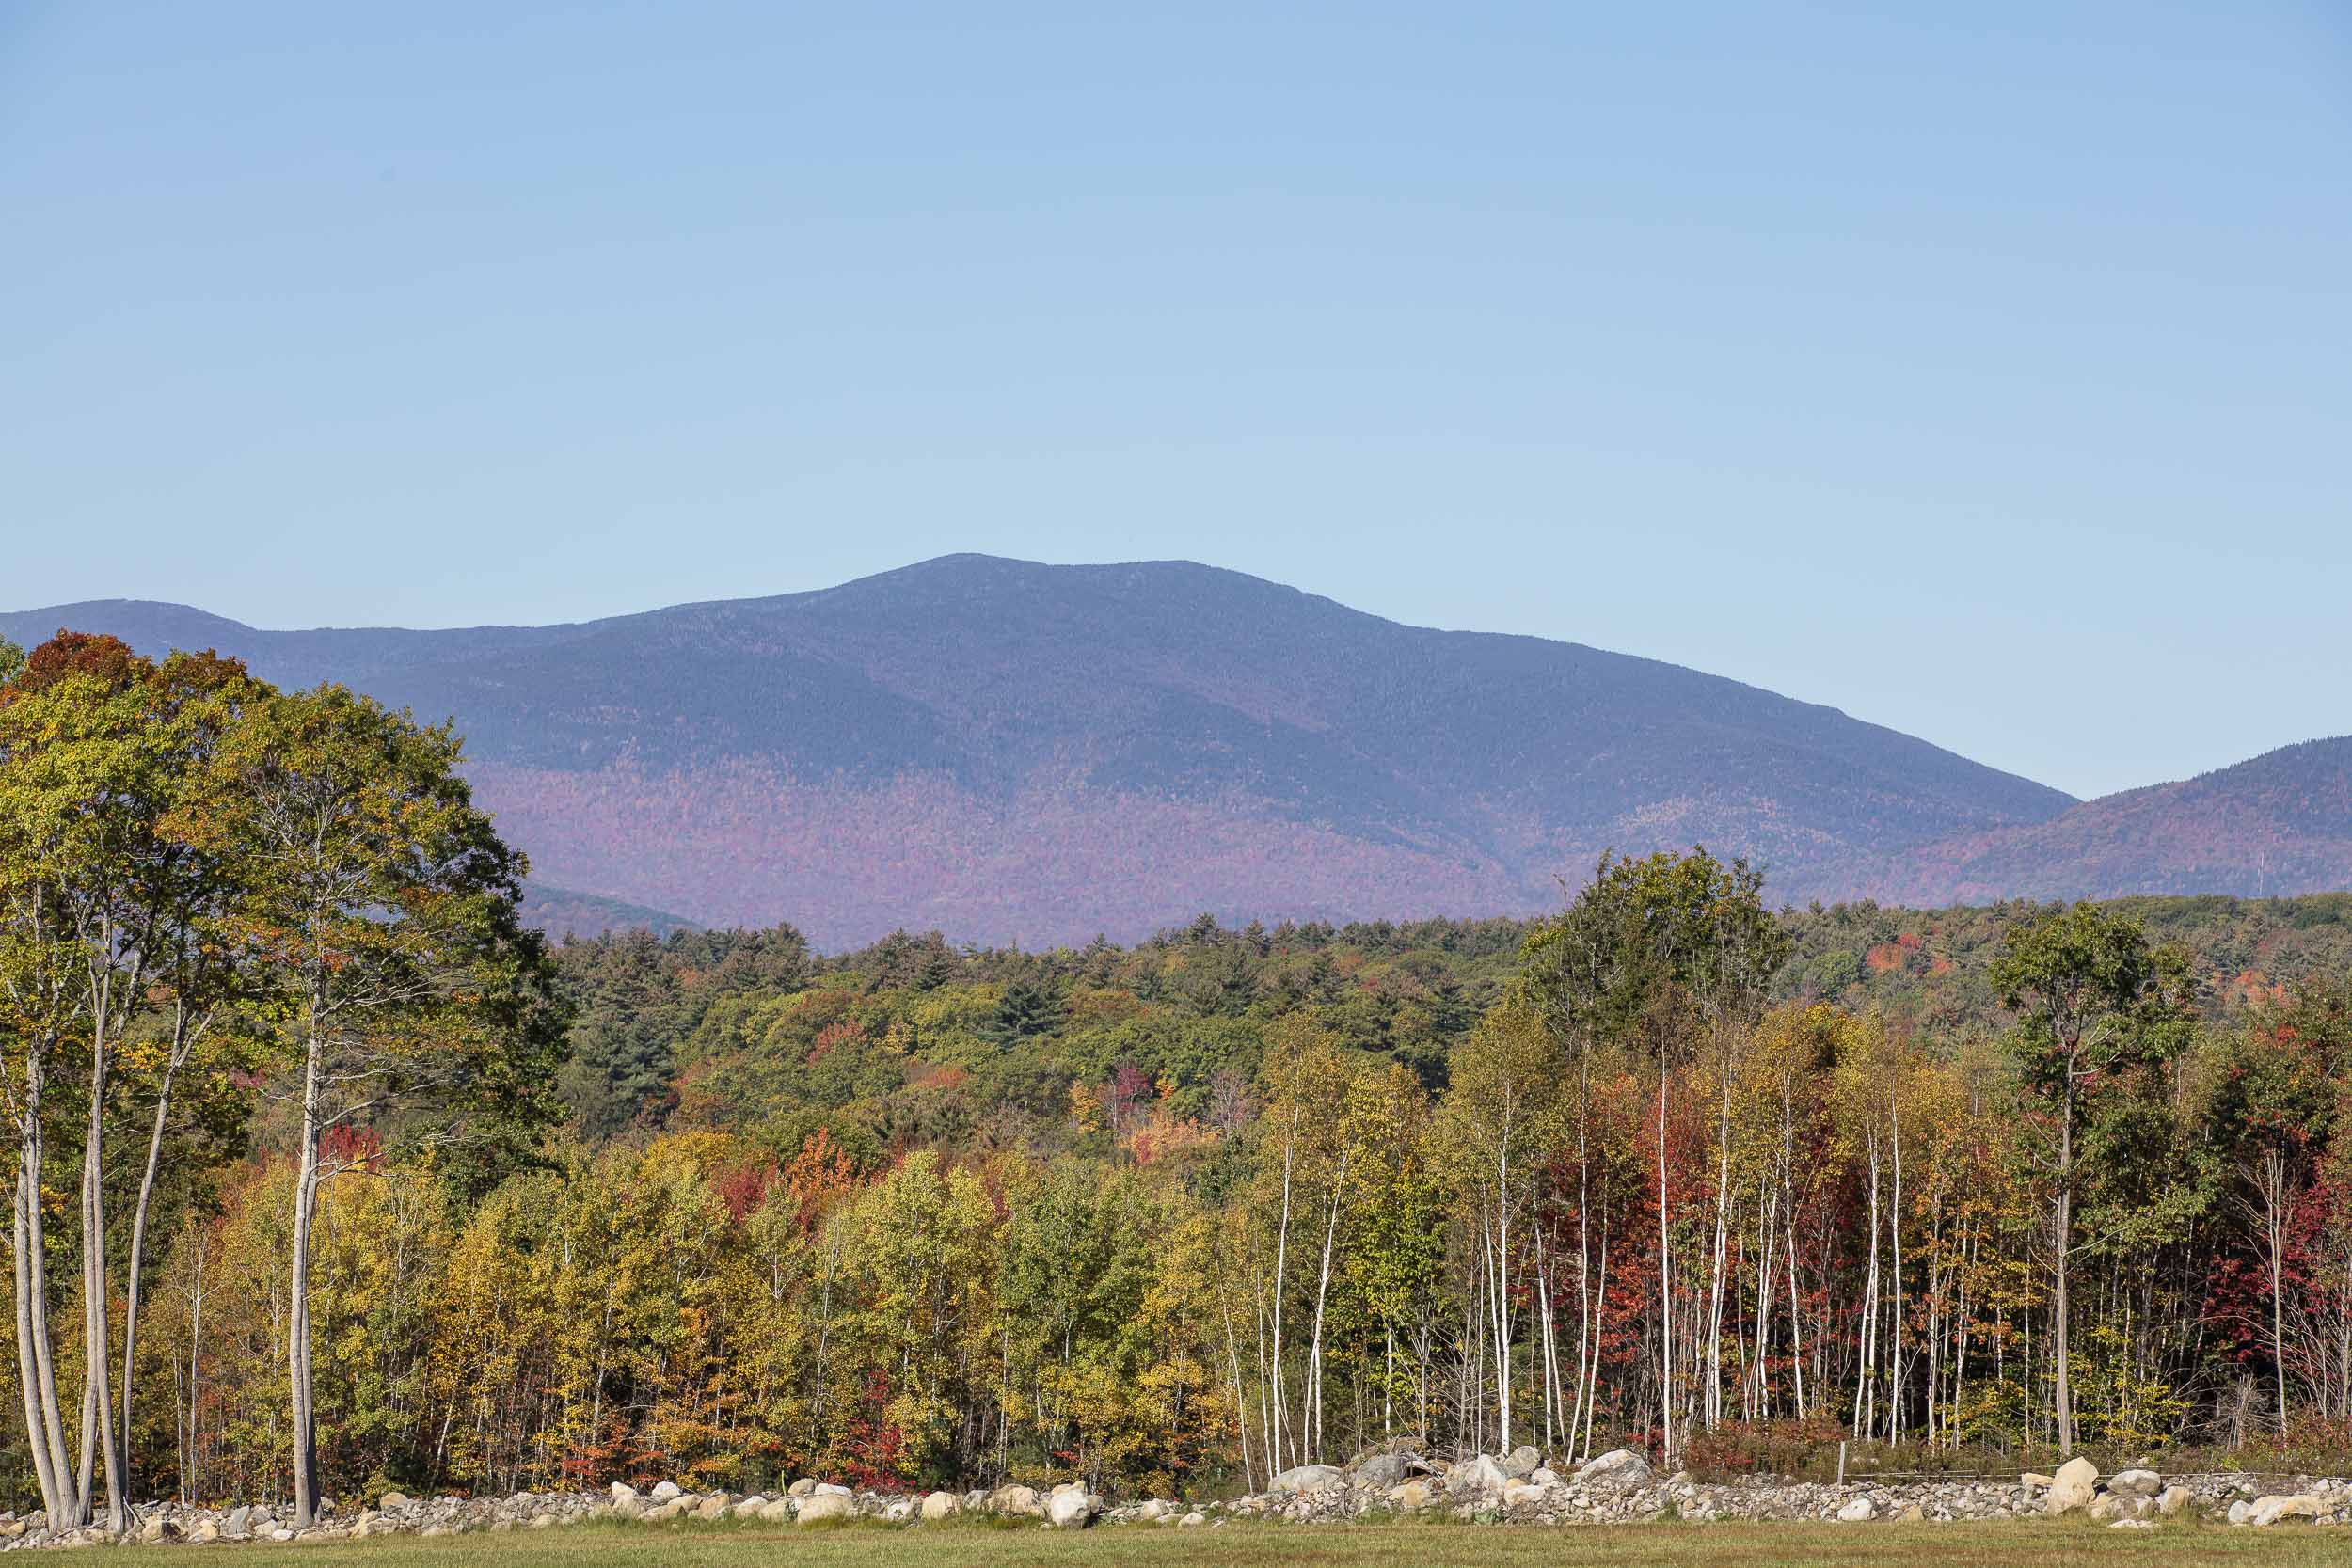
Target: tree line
column 430, row 1206
column 218, row 897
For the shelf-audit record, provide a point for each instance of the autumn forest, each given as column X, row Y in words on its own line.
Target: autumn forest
column 332, row 1175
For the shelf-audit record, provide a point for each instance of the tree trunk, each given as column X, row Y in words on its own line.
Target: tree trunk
column 99, row 1400
column 299, row 1316
column 2061, row 1391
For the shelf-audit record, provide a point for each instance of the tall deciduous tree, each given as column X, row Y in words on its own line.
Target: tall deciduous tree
column 384, row 904
column 109, row 905
column 2078, row 982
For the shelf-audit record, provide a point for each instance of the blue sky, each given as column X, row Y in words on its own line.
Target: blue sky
column 1985, row 371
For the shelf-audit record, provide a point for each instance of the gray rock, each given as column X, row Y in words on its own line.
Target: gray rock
column 2135, row 1483
column 1618, row 1467
column 1484, row 1474
column 1858, row 1512
column 1307, row 1477
column 821, row 1507
column 1522, row 1461
column 666, row 1491
column 1381, row 1469
column 1072, row 1507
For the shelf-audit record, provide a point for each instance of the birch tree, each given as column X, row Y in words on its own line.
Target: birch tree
column 385, row 904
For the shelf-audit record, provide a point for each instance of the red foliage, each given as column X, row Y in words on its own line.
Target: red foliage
column 109, row 659
column 877, row 1446
column 746, row 1188
column 351, row 1147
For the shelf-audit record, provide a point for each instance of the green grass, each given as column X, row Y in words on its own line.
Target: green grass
column 2019, row 1544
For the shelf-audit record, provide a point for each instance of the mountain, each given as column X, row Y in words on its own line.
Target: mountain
column 1008, row 751
column 562, row 913
column 2280, row 824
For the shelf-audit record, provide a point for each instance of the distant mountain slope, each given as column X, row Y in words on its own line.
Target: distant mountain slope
column 562, row 913
column 1010, row 751
column 2276, row 824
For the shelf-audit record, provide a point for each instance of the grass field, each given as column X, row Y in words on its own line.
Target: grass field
column 2029, row 1544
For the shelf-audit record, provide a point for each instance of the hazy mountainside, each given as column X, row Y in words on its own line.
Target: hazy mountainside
column 1004, row 749
column 2276, row 824
column 562, row 913
column 1008, row 751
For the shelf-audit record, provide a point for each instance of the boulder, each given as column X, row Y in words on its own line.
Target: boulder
column 1016, row 1499
column 1381, row 1469
column 713, row 1507
column 2295, row 1505
column 394, row 1499
column 2136, row 1483
column 1860, row 1511
column 942, row 1505
column 1072, row 1507
column 1484, row 1474
column 1521, row 1494
column 2240, row 1511
column 777, row 1510
column 664, row 1492
column 2071, row 1488
column 2105, row 1509
column 1411, row 1494
column 1195, row 1517
column 898, row 1510
column 1522, row 1461
column 832, row 1489
column 804, row 1487
column 1306, row 1477
column 2173, row 1501
column 624, row 1492
column 1618, row 1467
column 824, row 1508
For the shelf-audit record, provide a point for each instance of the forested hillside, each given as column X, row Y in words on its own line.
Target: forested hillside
column 2278, row 823
column 330, row 1174
column 1173, row 1213
column 1014, row 751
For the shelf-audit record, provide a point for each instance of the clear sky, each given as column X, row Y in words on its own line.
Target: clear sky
column 1984, row 370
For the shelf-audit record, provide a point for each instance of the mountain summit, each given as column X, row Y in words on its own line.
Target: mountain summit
column 1009, row 750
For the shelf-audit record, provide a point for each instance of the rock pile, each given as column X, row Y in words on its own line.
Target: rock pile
column 1621, row 1487
column 1617, row 1487
column 808, row 1501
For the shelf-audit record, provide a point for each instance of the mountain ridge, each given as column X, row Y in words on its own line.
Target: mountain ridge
column 1011, row 751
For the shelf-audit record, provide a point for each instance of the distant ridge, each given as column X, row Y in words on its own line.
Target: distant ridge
column 1009, row 750
column 2276, row 824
